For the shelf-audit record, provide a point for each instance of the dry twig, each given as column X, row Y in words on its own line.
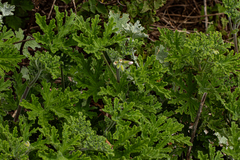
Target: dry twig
column 25, row 40
column 51, row 9
column 179, row 15
column 74, row 4
column 205, row 13
column 196, row 124
column 186, row 18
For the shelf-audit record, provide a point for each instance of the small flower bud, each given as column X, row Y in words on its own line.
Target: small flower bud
column 27, row 144
column 118, row 66
column 120, row 60
column 122, row 68
column 215, row 52
column 115, row 63
column 130, row 62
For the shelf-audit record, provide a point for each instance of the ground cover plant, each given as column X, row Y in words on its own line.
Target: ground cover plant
column 99, row 87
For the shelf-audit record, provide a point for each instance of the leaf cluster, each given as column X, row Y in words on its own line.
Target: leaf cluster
column 113, row 102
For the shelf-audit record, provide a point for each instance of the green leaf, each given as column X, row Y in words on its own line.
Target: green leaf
column 116, row 89
column 149, row 77
column 32, row 43
column 55, row 101
column 5, row 35
column 15, row 144
column 6, row 97
column 160, row 53
column 25, row 73
column 146, row 7
column 89, row 39
column 44, row 62
column 92, row 4
column 102, row 9
column 147, row 136
column 47, row 29
column 26, row 129
column 52, row 41
column 235, row 31
column 25, row 5
column 138, row 146
column 232, row 9
column 120, row 21
column 6, row 9
column 231, row 146
column 201, row 156
column 132, row 9
column 184, row 96
column 224, row 22
column 89, row 76
column 18, row 85
column 85, row 6
column 76, row 135
column 9, row 57
column 232, row 105
column 4, row 85
column 135, row 31
column 158, row 3
column 121, row 111
column 14, row 22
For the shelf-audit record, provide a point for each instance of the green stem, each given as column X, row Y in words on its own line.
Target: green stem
column 235, row 43
column 25, row 95
column 109, row 127
column 35, row 78
column 105, row 59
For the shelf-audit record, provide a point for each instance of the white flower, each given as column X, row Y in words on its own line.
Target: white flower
column 115, row 63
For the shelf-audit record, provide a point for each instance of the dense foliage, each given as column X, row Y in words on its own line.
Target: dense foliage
column 114, row 101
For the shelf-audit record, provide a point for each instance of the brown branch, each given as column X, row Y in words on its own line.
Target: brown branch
column 165, row 6
column 186, row 18
column 205, row 13
column 196, row 124
column 179, row 15
column 109, row 3
column 196, row 6
column 74, row 6
column 177, row 21
column 156, row 25
column 25, row 40
column 51, row 9
column 168, row 22
column 19, row 109
column 121, row 4
column 35, row 27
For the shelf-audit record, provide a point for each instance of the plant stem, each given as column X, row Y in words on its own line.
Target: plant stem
column 18, row 112
column 205, row 13
column 235, row 43
column 35, row 79
column 196, row 124
column 20, row 107
column 109, row 127
column 105, row 59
